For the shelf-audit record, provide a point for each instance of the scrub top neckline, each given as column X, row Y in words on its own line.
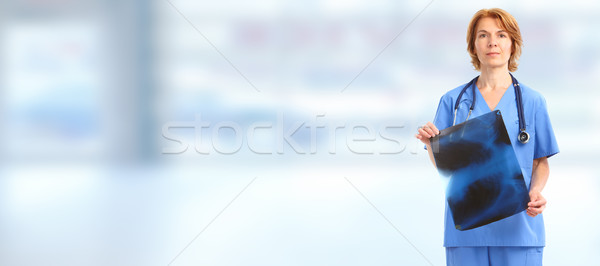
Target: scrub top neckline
column 509, row 93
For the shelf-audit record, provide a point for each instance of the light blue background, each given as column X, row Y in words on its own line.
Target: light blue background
column 86, row 86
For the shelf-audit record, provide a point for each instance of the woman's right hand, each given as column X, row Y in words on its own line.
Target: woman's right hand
column 426, row 132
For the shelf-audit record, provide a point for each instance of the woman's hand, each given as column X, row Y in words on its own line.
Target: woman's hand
column 426, row 132
column 539, row 176
column 537, row 203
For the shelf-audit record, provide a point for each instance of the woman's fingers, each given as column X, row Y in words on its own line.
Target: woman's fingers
column 535, row 211
column 433, row 128
column 537, row 201
column 427, row 131
column 536, row 205
column 423, row 132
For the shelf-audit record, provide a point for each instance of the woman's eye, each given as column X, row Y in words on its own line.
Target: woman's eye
column 482, row 36
column 503, row 35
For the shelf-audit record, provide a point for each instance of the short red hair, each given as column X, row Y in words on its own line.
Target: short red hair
column 508, row 23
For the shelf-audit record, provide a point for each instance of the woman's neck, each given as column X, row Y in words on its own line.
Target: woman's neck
column 494, row 79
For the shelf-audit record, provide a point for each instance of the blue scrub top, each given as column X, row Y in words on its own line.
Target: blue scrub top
column 519, row 229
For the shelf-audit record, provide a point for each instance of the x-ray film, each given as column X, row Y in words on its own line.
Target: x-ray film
column 486, row 183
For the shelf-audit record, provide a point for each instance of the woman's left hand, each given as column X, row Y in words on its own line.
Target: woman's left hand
column 537, row 203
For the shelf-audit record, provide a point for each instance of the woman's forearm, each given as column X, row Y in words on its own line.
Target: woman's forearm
column 430, row 152
column 540, row 173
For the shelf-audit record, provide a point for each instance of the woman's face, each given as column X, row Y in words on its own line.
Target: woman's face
column 492, row 44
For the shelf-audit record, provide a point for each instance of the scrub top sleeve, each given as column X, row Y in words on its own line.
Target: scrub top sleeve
column 443, row 115
column 545, row 141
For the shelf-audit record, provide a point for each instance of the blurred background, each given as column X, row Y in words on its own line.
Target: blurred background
column 90, row 173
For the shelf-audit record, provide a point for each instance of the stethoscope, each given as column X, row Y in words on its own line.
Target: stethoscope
column 523, row 135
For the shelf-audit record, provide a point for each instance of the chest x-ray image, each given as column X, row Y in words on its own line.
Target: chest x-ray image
column 486, row 183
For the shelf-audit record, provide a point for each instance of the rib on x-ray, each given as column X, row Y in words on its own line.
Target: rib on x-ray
column 486, row 183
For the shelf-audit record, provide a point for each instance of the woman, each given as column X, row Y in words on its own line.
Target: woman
column 494, row 44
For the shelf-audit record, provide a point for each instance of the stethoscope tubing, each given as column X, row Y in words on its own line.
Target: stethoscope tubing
column 523, row 135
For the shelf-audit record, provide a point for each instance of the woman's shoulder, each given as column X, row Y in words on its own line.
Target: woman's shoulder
column 530, row 94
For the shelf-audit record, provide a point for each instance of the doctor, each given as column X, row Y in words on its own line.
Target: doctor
column 494, row 44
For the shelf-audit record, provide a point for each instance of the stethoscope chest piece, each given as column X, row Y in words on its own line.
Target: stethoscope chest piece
column 523, row 137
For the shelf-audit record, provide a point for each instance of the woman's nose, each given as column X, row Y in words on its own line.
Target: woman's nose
column 493, row 42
